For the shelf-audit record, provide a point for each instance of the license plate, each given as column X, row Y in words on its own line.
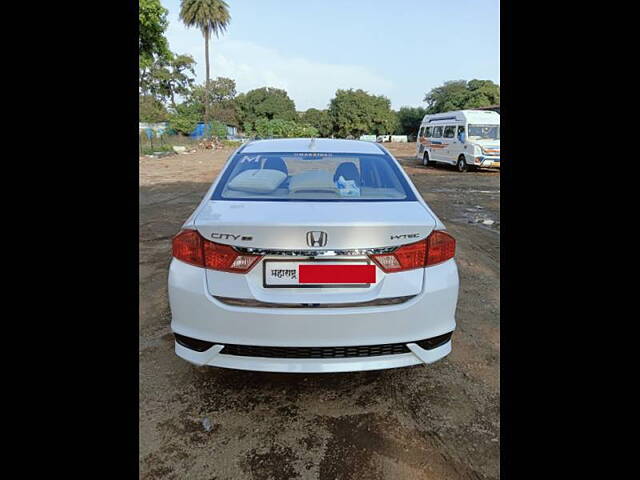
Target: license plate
column 490, row 163
column 318, row 274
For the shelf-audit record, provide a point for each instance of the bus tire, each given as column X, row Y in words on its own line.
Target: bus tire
column 425, row 160
column 462, row 164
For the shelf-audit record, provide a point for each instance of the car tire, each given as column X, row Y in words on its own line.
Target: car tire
column 462, row 164
column 425, row 160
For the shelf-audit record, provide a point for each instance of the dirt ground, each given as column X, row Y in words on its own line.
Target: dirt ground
column 440, row 421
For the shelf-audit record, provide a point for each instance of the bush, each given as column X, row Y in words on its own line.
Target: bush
column 218, row 129
column 149, row 150
column 282, row 129
column 184, row 119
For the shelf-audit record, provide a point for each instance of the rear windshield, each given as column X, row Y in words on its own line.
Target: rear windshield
column 312, row 177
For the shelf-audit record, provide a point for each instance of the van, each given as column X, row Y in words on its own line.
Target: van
column 466, row 138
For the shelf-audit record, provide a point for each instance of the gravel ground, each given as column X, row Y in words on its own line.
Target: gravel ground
column 440, row 421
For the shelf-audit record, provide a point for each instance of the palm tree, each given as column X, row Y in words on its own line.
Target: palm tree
column 210, row 16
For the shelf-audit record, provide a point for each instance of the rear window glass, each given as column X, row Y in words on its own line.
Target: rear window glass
column 312, row 177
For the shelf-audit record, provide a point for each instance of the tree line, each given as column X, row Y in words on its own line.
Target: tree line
column 168, row 91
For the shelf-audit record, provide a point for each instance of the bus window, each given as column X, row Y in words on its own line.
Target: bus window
column 437, row 132
column 449, row 131
column 420, row 134
column 427, row 131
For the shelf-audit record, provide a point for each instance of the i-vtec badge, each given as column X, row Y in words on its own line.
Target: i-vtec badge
column 405, row 235
column 230, row 236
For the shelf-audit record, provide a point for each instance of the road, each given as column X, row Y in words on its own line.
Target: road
column 440, row 421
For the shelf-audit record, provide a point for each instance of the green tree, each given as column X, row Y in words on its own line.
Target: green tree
column 304, row 131
column 460, row 94
column 280, row 128
column 355, row 112
column 184, row 118
column 222, row 89
column 260, row 128
column 319, row 119
column 152, row 25
column 151, row 110
column 167, row 77
column 409, row 119
column 221, row 97
column 210, row 16
column 267, row 103
column 218, row 129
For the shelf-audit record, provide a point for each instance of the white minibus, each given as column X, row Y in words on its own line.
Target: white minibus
column 465, row 138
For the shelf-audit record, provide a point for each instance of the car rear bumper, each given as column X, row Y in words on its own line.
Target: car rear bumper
column 197, row 314
column 212, row 357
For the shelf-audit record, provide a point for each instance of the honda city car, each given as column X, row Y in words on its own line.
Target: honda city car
column 313, row 255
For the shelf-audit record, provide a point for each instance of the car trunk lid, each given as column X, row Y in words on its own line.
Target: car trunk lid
column 342, row 235
column 334, row 225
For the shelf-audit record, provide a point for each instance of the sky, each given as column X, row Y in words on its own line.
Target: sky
column 311, row 48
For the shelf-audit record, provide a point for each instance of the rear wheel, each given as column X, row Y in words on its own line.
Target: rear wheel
column 425, row 160
column 462, row 164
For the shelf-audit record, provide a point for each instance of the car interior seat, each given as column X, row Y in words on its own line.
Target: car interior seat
column 247, row 166
column 276, row 163
column 348, row 171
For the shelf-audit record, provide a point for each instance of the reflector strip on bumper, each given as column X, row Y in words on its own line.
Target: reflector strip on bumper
column 248, row 302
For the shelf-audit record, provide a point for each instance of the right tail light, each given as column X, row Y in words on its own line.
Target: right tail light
column 438, row 247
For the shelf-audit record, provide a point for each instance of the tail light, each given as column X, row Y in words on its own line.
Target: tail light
column 191, row 248
column 436, row 248
column 440, row 247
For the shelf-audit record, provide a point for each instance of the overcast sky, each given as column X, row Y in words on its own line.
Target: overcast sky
column 310, row 48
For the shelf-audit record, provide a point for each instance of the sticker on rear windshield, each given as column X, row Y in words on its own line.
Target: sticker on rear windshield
column 250, row 159
column 312, row 154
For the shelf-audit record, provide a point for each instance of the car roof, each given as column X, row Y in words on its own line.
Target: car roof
column 324, row 145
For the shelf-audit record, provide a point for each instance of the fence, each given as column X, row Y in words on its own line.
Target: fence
column 152, row 141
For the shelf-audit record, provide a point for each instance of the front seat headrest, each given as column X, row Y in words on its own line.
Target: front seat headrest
column 348, row 171
column 276, row 163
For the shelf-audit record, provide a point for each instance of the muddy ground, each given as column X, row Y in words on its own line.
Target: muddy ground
column 425, row 422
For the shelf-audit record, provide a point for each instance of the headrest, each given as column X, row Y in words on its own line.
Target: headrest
column 276, row 163
column 349, row 171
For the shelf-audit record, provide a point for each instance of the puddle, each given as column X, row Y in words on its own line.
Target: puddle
column 476, row 216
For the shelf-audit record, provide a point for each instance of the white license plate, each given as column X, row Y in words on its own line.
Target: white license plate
column 490, row 163
column 318, row 274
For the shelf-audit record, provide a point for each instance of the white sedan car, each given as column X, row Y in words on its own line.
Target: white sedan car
column 313, row 256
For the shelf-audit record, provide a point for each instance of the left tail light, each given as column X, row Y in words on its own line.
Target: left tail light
column 190, row 247
column 438, row 247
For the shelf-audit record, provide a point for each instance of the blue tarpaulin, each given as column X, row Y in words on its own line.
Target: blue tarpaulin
column 200, row 131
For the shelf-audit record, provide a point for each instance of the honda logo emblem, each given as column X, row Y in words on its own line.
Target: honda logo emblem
column 317, row 239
